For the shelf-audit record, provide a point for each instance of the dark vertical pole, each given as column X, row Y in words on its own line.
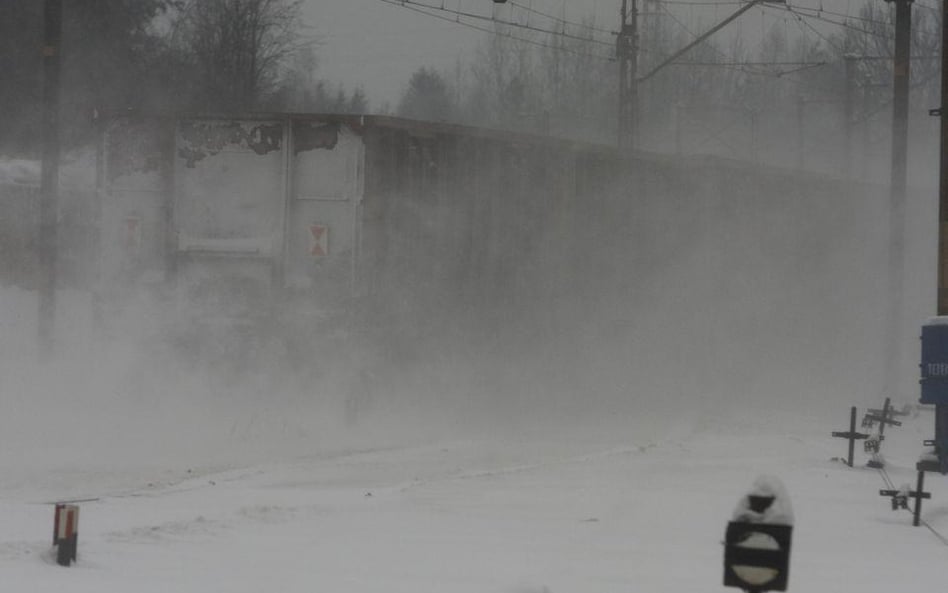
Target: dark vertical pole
column 866, row 122
column 897, row 185
column 916, row 516
column 801, row 107
column 852, row 431
column 49, row 182
column 627, row 52
column 634, row 131
column 848, row 116
column 885, row 416
column 678, row 125
column 622, row 49
column 943, row 185
column 755, row 154
column 941, row 411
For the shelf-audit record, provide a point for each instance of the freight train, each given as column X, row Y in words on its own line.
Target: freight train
column 303, row 225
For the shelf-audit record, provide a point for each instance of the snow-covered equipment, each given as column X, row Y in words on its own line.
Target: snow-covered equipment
column 873, row 443
column 66, row 533
column 883, row 417
column 852, row 436
column 934, row 387
column 900, row 497
column 906, row 410
column 758, row 539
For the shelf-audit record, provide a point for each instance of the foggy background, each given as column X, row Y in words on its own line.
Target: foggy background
column 734, row 273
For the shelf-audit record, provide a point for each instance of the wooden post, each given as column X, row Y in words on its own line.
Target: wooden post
column 852, row 435
column 66, row 533
column 900, row 497
column 919, row 495
column 898, row 191
column 882, row 416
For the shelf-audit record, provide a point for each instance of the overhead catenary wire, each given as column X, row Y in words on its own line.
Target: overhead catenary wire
column 704, row 2
column 562, row 21
column 847, row 24
column 671, row 59
column 456, row 16
column 804, row 24
column 848, row 17
column 745, row 67
column 499, row 33
column 480, row 17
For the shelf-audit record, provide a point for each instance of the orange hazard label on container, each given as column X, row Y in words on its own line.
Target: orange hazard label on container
column 319, row 240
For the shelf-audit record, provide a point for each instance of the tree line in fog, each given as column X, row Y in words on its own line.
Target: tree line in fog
column 160, row 55
column 251, row 55
column 567, row 84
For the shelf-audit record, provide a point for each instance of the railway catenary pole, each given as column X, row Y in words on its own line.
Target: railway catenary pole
column 897, row 185
column 627, row 52
column 941, row 412
column 49, row 180
column 943, row 178
column 850, row 61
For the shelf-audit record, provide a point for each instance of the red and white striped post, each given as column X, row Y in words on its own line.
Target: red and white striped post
column 66, row 533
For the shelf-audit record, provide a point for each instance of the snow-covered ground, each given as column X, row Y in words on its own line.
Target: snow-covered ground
column 198, row 485
column 566, row 513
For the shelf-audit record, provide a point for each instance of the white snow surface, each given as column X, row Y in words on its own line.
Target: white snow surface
column 937, row 320
column 247, row 490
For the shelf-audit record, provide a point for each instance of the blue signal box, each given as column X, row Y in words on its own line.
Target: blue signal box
column 934, row 366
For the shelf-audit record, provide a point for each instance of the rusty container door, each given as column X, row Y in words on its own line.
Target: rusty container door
column 323, row 225
column 229, row 186
column 229, row 213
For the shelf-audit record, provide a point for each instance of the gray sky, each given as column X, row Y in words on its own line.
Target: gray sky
column 378, row 46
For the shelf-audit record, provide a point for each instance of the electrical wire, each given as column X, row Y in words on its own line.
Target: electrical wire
column 458, row 14
column 704, row 2
column 738, row 67
column 562, row 20
column 805, row 23
column 426, row 9
column 843, row 24
column 408, row 6
column 848, row 17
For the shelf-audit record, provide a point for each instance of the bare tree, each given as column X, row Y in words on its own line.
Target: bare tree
column 238, row 47
column 870, row 39
column 428, row 96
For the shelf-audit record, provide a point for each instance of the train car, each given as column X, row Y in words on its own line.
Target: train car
column 303, row 225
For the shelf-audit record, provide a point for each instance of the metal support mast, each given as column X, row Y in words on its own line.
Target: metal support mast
column 943, row 180
column 49, row 181
column 897, row 185
column 848, row 114
column 941, row 411
column 627, row 52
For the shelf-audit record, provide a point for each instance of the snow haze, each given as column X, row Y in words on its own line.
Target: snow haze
column 576, row 399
